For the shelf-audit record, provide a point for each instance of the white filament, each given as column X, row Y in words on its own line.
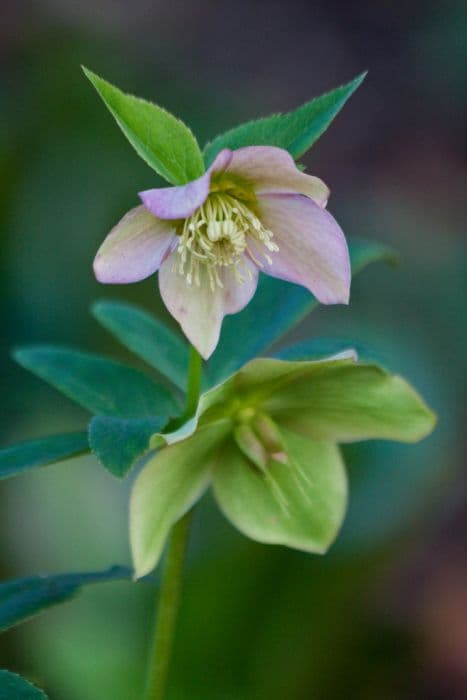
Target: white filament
column 217, row 236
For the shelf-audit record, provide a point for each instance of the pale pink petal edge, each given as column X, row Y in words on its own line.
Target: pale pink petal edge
column 134, row 249
column 313, row 251
column 271, row 169
column 200, row 311
column 181, row 201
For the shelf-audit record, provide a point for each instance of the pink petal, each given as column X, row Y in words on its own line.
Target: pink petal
column 180, row 202
column 134, row 249
column 272, row 169
column 312, row 248
column 199, row 310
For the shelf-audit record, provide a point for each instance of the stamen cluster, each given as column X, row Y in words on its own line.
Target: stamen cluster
column 218, row 235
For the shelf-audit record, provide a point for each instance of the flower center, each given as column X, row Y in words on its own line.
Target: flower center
column 219, row 234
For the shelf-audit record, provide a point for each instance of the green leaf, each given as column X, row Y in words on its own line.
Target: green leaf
column 166, row 488
column 276, row 308
column 23, row 598
column 147, row 337
column 294, row 131
column 37, row 453
column 14, row 687
column 323, row 348
column 119, row 442
column 98, row 384
column 162, row 140
column 300, row 503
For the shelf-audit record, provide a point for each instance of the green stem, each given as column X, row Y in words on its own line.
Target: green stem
column 194, row 382
column 170, row 593
column 167, row 611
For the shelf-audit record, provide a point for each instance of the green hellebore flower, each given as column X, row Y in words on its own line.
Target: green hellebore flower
column 266, row 440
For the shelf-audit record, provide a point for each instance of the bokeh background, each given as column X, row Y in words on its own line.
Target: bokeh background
column 384, row 615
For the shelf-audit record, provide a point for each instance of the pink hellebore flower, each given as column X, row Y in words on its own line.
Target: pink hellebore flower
column 252, row 210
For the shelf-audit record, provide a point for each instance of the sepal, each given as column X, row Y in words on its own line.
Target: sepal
column 298, row 499
column 166, row 488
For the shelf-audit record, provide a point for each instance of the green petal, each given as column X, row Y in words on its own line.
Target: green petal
column 343, row 402
column 337, row 400
column 169, row 484
column 253, row 385
column 322, row 348
column 162, row 140
column 299, row 504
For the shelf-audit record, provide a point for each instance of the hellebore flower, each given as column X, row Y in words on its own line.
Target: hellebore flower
column 252, row 210
column 267, row 441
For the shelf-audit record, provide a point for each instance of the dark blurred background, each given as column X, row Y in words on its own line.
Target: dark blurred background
column 384, row 615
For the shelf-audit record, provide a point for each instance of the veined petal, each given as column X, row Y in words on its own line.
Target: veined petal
column 343, row 401
column 134, row 249
column 312, row 247
column 181, row 201
column 297, row 500
column 166, row 488
column 335, row 400
column 199, row 309
column 272, row 169
column 238, row 294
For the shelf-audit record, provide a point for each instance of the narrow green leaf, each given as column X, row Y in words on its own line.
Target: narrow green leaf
column 147, row 337
column 166, row 488
column 98, row 384
column 118, row 442
column 23, row 598
column 294, row 131
column 162, row 140
column 19, row 458
column 299, row 504
column 14, row 687
column 322, row 348
column 276, row 308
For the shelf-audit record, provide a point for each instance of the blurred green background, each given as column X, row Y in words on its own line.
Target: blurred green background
column 384, row 615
